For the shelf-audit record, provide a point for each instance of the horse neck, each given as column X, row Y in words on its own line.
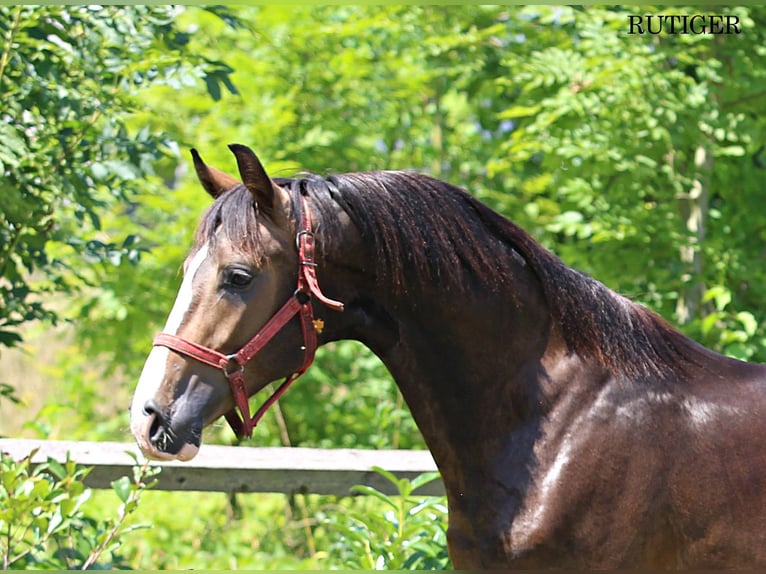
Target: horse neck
column 467, row 363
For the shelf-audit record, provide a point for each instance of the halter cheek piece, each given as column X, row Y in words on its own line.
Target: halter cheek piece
column 233, row 366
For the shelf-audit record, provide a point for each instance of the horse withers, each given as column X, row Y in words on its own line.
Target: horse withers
column 572, row 427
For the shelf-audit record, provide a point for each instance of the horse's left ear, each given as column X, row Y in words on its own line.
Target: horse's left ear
column 215, row 182
column 269, row 197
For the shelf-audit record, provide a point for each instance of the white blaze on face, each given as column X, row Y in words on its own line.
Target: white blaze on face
column 154, row 369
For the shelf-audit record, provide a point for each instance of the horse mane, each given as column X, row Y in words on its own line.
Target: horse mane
column 426, row 232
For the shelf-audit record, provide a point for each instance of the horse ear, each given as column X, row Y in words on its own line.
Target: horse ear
column 215, row 182
column 267, row 194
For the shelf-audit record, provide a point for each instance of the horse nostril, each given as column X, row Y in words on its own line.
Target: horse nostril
column 157, row 430
column 157, row 434
column 151, row 408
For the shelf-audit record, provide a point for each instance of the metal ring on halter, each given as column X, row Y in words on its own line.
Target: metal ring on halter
column 302, row 296
column 232, row 360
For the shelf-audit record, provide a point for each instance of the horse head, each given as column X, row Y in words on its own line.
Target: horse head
column 243, row 267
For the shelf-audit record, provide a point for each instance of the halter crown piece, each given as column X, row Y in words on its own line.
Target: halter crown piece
column 233, row 366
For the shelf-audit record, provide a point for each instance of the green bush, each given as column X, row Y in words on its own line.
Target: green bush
column 43, row 518
column 400, row 532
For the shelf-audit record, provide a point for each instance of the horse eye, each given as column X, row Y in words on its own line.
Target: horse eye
column 237, row 278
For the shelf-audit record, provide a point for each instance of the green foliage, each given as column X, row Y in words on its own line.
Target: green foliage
column 299, row 532
column 634, row 160
column 221, row 532
column 70, row 77
column 43, row 519
column 399, row 532
column 736, row 332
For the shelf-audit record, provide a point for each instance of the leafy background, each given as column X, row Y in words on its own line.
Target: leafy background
column 638, row 159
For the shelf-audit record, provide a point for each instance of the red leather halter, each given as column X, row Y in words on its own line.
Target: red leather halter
column 233, row 366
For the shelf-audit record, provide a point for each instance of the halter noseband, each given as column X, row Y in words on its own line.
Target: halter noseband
column 233, row 366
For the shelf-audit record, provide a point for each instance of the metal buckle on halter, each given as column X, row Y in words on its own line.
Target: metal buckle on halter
column 301, row 233
column 305, row 256
column 232, row 360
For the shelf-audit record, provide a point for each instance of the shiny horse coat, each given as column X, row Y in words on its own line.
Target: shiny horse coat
column 572, row 427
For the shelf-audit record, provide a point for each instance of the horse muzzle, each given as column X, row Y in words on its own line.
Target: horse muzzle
column 167, row 431
column 160, row 438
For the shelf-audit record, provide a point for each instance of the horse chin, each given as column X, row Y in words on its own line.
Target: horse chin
column 187, row 452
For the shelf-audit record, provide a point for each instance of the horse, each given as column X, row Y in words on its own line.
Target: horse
column 573, row 428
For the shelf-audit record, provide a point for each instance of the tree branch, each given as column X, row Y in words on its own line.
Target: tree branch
column 743, row 99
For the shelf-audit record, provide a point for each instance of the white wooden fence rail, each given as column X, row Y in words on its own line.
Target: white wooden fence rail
column 240, row 468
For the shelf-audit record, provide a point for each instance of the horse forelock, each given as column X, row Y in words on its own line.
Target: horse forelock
column 233, row 217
